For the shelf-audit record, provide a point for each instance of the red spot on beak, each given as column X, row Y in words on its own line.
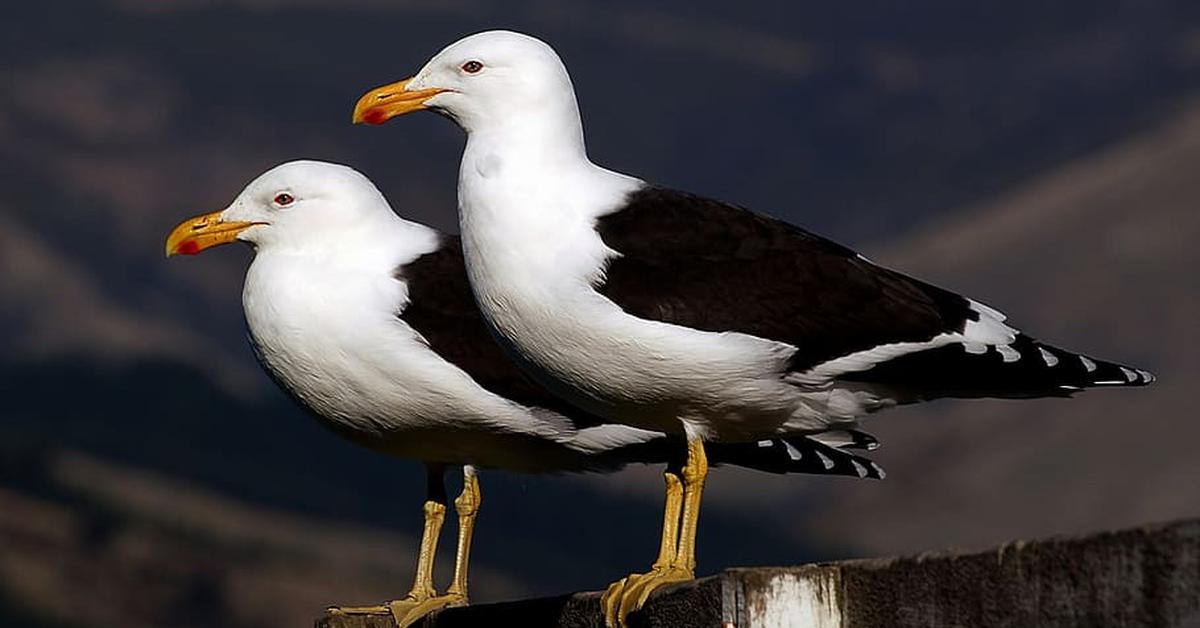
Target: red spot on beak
column 188, row 247
column 375, row 116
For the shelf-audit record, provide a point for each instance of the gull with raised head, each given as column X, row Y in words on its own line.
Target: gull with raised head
column 672, row 312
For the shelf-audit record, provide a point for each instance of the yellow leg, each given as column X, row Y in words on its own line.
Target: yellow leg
column 423, row 598
column 682, row 566
column 435, row 514
column 467, row 505
column 611, row 600
column 670, row 532
column 694, row 475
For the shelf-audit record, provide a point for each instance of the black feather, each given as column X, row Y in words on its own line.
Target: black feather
column 951, row 371
column 708, row 265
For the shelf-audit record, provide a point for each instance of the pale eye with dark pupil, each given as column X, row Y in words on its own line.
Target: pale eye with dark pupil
column 284, row 199
column 472, row 67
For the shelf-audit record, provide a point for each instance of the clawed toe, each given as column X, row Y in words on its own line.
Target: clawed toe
column 635, row 596
column 611, row 600
column 407, row 611
column 630, row 593
column 358, row 610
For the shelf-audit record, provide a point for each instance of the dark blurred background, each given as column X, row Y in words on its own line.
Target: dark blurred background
column 1042, row 157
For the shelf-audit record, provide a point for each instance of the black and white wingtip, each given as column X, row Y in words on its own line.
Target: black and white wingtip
column 1021, row 368
column 806, row 455
column 1101, row 373
column 1070, row 372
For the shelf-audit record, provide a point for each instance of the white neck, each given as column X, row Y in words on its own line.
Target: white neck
column 532, row 199
column 550, row 138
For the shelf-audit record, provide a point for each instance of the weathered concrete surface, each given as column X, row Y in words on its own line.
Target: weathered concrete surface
column 1144, row 577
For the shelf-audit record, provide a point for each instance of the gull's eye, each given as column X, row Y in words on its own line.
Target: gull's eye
column 283, row 199
column 472, row 67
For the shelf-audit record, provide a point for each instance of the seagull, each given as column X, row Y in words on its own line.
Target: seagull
column 367, row 320
column 672, row 312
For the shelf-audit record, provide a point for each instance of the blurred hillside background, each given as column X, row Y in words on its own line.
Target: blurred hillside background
column 1041, row 157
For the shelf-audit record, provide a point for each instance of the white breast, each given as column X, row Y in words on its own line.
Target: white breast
column 333, row 338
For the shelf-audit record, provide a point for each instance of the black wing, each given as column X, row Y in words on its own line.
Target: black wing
column 705, row 264
column 708, row 265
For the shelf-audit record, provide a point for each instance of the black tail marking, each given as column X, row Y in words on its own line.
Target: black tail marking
column 796, row 454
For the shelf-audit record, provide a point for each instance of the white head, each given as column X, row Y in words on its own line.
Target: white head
column 486, row 82
column 299, row 205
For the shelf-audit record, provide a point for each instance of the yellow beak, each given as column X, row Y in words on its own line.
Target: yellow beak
column 384, row 103
column 204, row 232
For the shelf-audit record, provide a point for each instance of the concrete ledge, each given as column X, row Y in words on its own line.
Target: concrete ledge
column 1146, row 576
